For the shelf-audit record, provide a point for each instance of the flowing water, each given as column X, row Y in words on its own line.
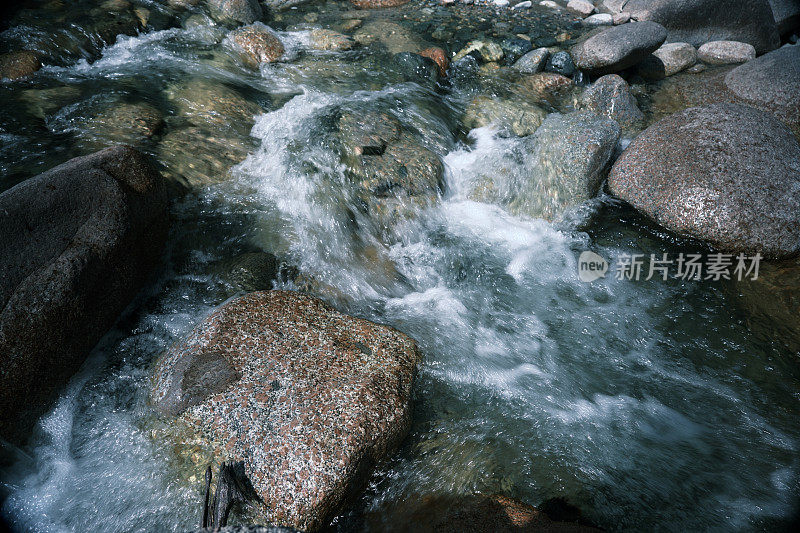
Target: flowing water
column 649, row 404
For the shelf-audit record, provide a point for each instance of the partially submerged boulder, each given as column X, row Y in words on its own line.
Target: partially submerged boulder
column 726, row 52
column 728, row 174
column 77, row 243
column 569, row 157
column 511, row 116
column 617, row 48
column 308, row 398
column 611, row 97
column 235, row 11
column 257, row 44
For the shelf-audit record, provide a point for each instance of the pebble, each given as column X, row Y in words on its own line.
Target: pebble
column 726, row 52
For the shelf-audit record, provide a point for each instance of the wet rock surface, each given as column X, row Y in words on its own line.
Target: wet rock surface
column 727, row 174
column 312, row 399
column 257, row 44
column 235, row 11
column 16, row 65
column 615, row 49
column 668, row 60
column 511, row 116
column 570, row 154
column 772, row 83
column 80, row 241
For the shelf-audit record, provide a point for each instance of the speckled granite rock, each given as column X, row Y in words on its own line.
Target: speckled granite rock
column 726, row 52
column 122, row 122
column 727, row 174
column 772, row 83
column 570, row 154
column 309, row 398
column 76, row 244
column 668, row 60
column 617, row 48
column 510, row 116
column 235, row 11
column 257, row 44
column 475, row 513
column 787, row 15
column 611, row 97
column 20, row 64
column 247, row 529
column 699, row 21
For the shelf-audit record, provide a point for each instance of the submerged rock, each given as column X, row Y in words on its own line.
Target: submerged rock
column 699, row 21
column 394, row 37
column 726, row 173
column 544, row 87
column 375, row 4
column 77, row 243
column 415, row 67
column 726, row 52
column 611, row 97
column 195, row 157
column 257, row 44
column 772, row 83
column 20, row 64
column 308, row 398
column 121, row 123
column 322, row 39
column 511, row 116
column 617, row 48
column 569, row 156
column 478, row 513
column 208, row 103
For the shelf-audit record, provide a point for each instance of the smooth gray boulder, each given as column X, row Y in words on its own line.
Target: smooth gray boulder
column 76, row 245
column 727, row 174
column 772, row 83
column 700, row 21
column 617, row 48
column 726, row 52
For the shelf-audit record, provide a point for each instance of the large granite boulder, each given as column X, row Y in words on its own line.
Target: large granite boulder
column 787, row 15
column 699, row 21
column 76, row 244
column 772, row 83
column 309, row 399
column 569, row 155
column 614, row 49
column 728, row 174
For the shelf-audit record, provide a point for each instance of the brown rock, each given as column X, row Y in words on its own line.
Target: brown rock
column 308, row 398
column 322, row 39
column 544, row 86
column 257, row 44
column 76, row 244
column 15, row 65
column 439, row 57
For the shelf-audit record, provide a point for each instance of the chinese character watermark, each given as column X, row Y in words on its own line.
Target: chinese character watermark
column 694, row 267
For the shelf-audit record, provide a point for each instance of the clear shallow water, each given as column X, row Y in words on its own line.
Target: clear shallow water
column 649, row 404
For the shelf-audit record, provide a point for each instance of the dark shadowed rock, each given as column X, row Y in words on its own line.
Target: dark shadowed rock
column 235, row 11
column 439, row 57
column 476, row 513
column 77, row 242
column 787, row 15
column 308, row 398
column 617, row 48
column 700, row 21
column 611, row 97
column 772, row 83
column 415, row 67
column 560, row 63
column 727, row 174
column 247, row 529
